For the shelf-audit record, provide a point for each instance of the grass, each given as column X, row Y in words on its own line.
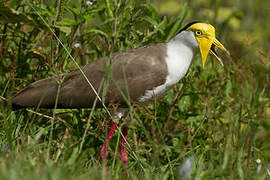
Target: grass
column 216, row 117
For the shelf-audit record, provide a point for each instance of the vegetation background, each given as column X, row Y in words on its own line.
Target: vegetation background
column 217, row 118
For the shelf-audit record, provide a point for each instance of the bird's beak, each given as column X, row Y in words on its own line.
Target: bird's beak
column 207, row 45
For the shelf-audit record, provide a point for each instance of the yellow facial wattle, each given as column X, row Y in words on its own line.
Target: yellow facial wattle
column 205, row 35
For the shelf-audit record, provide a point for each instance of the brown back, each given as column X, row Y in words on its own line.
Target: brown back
column 127, row 74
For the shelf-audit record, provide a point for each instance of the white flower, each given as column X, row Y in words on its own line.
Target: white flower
column 89, row 3
column 76, row 45
column 258, row 161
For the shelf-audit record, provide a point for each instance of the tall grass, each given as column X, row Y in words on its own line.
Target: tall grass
column 216, row 116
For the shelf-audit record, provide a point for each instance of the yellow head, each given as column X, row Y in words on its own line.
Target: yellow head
column 205, row 35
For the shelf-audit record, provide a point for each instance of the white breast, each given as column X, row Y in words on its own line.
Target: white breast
column 180, row 53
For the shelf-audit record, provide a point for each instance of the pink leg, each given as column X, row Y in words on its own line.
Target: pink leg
column 123, row 148
column 106, row 144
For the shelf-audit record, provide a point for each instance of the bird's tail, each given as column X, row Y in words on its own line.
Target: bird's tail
column 41, row 94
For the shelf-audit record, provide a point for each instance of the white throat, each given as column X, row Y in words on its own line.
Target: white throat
column 180, row 52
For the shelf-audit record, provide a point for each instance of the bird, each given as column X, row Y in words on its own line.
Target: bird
column 134, row 76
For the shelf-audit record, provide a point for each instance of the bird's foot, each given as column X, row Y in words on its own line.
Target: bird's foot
column 123, row 153
column 104, row 147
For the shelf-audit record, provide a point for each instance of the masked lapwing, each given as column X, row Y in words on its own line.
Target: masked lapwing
column 135, row 76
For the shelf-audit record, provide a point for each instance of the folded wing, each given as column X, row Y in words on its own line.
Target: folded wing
column 124, row 76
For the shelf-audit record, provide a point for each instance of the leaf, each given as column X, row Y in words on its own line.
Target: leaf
column 36, row 54
column 66, row 22
column 96, row 31
column 8, row 15
column 14, row 3
column 74, row 11
column 149, row 6
column 64, row 29
column 88, row 17
column 109, row 8
column 157, row 28
column 176, row 27
column 150, row 20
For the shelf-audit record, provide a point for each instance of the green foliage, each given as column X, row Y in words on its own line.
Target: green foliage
column 219, row 116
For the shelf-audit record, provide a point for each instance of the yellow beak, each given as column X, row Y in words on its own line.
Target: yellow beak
column 207, row 44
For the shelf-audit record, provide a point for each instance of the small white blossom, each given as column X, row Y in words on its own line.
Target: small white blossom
column 89, row 3
column 76, row 45
column 258, row 161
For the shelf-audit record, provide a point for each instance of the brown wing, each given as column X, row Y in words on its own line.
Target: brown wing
column 129, row 74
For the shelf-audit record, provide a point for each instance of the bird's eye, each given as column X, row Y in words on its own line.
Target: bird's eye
column 198, row 33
